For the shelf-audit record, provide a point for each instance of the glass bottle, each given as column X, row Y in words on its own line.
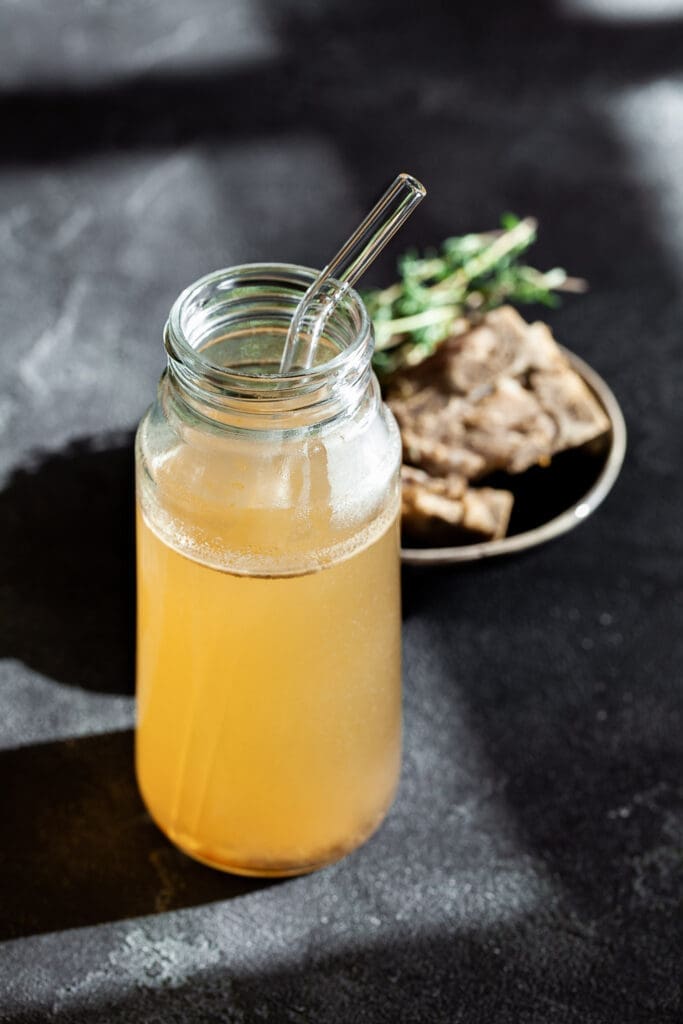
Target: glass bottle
column 268, row 659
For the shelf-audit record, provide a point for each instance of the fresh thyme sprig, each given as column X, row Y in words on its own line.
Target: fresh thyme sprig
column 439, row 294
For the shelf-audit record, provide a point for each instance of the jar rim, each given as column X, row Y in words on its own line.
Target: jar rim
column 179, row 346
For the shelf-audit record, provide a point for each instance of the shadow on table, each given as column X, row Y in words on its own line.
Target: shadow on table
column 78, row 848
column 67, row 555
column 311, row 82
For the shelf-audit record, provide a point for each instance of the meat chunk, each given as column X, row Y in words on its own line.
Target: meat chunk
column 509, row 429
column 502, row 345
column 566, row 399
column 499, row 396
column 446, row 510
column 433, row 430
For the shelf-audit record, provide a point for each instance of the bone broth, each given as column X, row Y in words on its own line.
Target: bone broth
column 268, row 661
column 269, row 707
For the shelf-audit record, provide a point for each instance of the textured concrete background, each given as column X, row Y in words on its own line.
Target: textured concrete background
column 532, row 869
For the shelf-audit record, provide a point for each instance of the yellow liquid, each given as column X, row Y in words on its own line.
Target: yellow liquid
column 269, row 717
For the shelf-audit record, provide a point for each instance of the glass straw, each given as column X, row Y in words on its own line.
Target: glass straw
column 350, row 263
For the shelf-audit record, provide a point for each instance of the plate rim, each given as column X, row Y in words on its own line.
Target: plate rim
column 567, row 520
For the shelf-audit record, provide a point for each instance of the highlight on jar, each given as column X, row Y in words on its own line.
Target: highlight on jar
column 268, row 737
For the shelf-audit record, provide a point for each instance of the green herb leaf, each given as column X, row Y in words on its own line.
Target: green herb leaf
column 439, row 293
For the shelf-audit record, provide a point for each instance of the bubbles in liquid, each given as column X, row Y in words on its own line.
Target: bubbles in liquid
column 273, row 507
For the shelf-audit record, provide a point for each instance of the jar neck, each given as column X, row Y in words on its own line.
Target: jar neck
column 224, row 340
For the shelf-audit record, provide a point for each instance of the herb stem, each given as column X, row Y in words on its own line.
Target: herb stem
column 437, row 294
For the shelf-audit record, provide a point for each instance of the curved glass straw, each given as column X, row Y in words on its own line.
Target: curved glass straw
column 350, row 263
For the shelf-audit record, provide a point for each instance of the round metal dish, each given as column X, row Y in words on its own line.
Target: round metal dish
column 607, row 471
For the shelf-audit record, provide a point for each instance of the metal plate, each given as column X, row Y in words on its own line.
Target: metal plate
column 606, row 464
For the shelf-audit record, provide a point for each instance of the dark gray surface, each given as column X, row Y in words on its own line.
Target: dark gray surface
column 532, row 868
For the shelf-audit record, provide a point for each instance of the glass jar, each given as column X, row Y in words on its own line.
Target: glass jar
column 268, row 661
